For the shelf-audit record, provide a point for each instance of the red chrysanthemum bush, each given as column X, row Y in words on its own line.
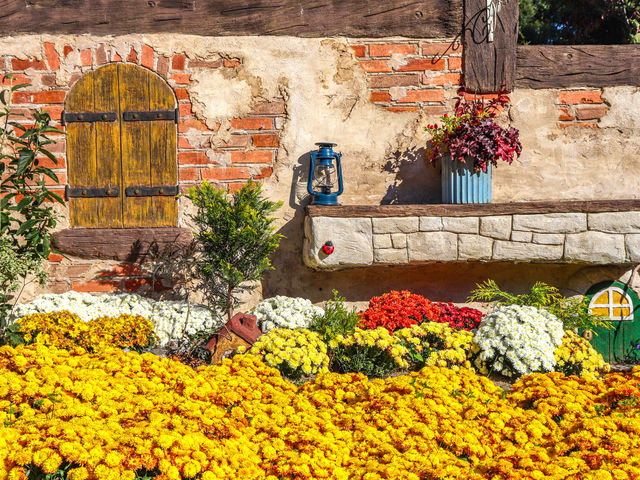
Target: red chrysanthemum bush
column 396, row 310
column 461, row 318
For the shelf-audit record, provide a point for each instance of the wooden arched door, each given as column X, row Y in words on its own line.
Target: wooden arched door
column 121, row 149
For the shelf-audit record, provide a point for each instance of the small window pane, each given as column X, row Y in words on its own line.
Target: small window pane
column 601, row 299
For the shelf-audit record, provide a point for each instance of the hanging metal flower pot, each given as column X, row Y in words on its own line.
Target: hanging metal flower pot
column 461, row 184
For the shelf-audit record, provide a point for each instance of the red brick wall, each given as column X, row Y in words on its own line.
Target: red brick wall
column 581, row 108
column 411, row 75
column 250, row 152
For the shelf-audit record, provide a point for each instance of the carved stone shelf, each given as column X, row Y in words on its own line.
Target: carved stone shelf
column 124, row 244
column 603, row 232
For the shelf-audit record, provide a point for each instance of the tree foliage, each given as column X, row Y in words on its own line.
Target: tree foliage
column 27, row 217
column 579, row 22
column 235, row 236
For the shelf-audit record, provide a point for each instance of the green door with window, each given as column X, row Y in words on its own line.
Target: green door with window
column 621, row 306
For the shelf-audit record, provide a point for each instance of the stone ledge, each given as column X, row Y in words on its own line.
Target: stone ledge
column 473, row 210
column 596, row 234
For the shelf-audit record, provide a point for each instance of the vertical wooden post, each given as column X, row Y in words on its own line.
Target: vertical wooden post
column 490, row 66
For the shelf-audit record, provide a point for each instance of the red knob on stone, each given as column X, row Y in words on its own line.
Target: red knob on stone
column 328, row 248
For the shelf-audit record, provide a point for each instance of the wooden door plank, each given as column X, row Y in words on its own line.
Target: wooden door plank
column 601, row 342
column 81, row 154
column 163, row 161
column 108, row 158
column 626, row 337
column 133, row 86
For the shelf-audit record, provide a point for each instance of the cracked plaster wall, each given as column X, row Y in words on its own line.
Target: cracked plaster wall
column 326, row 95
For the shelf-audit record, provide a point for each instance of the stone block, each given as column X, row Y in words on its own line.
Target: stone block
column 430, row 224
column 498, row 227
column 390, row 255
column 525, row 237
column 548, row 238
column 395, row 225
column 351, row 237
column 474, row 247
column 551, row 222
column 382, row 240
column 399, row 240
column 461, row 224
column 526, row 252
column 432, row 246
column 595, row 247
column 632, row 243
column 614, row 222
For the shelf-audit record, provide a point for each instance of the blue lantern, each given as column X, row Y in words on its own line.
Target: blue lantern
column 323, row 175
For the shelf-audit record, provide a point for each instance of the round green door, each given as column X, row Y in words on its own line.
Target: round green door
column 621, row 306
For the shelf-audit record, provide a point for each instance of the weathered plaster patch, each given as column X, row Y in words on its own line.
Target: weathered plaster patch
column 624, row 105
column 216, row 97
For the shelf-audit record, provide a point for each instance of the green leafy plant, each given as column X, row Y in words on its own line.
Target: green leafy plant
column 235, row 236
column 27, row 217
column 14, row 268
column 572, row 312
column 337, row 320
column 372, row 361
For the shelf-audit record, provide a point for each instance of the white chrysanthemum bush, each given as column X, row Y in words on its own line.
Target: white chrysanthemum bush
column 518, row 340
column 171, row 319
column 285, row 312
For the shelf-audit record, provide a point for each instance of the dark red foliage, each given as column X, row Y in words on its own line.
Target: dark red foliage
column 396, row 310
column 461, row 318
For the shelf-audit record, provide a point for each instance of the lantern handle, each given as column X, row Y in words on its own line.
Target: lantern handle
column 339, row 165
column 312, row 167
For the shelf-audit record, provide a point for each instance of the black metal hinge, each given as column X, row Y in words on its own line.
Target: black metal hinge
column 74, row 117
column 163, row 191
column 91, row 192
column 150, row 115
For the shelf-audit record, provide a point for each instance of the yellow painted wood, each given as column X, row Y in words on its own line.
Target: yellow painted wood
column 81, row 154
column 136, row 163
column 108, row 156
column 162, row 147
column 122, row 154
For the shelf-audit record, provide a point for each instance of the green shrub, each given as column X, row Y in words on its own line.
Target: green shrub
column 337, row 320
column 235, row 237
column 27, row 217
column 572, row 312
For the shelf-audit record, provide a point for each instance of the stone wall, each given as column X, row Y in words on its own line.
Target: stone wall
column 603, row 238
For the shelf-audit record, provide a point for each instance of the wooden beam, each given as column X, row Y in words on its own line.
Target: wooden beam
column 318, row 18
column 489, row 66
column 474, row 210
column 564, row 66
column 124, row 244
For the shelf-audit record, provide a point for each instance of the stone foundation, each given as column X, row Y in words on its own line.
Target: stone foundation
column 599, row 238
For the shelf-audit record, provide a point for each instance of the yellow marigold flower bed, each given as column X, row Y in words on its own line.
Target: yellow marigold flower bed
column 67, row 330
column 294, row 352
column 379, row 338
column 576, row 356
column 109, row 414
column 437, row 344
